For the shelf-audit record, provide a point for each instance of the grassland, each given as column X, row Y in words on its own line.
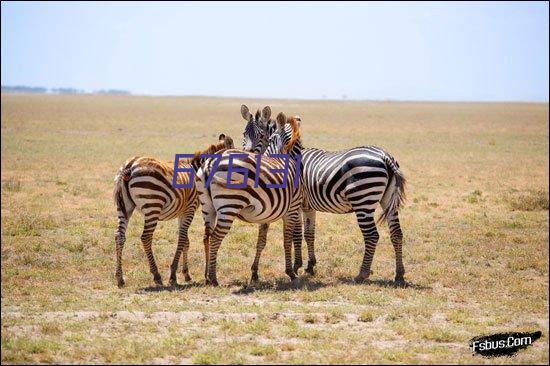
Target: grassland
column 475, row 251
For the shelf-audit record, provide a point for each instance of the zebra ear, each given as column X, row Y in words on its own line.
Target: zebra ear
column 246, row 113
column 281, row 120
column 221, row 138
column 266, row 113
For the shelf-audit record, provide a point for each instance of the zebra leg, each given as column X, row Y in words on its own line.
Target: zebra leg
column 396, row 236
column 120, row 239
column 183, row 246
column 206, row 242
column 309, row 234
column 297, row 239
column 147, row 240
column 367, row 225
column 289, row 222
column 223, row 224
column 260, row 245
column 208, row 212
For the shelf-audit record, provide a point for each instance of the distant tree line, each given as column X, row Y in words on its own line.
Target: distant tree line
column 42, row 90
column 112, row 92
column 24, row 89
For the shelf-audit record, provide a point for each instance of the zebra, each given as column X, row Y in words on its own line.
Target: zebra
column 221, row 205
column 256, row 137
column 145, row 183
column 353, row 180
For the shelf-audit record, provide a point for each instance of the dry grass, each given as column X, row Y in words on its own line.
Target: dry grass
column 475, row 225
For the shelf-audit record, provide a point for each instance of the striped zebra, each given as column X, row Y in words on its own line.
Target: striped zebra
column 353, row 180
column 145, row 183
column 221, row 205
column 256, row 138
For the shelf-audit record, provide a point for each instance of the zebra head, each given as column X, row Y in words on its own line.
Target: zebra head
column 257, row 130
column 286, row 138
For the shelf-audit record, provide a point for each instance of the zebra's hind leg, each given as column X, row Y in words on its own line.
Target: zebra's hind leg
column 396, row 236
column 223, row 225
column 183, row 246
column 297, row 239
column 147, row 239
column 260, row 245
column 365, row 218
column 120, row 239
column 290, row 220
column 309, row 235
column 206, row 242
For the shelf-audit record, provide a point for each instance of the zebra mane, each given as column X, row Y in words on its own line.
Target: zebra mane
column 196, row 162
column 296, row 135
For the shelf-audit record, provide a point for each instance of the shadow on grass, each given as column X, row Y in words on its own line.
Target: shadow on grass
column 304, row 283
column 280, row 285
column 171, row 288
column 384, row 283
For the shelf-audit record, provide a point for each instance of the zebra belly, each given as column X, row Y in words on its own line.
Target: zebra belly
column 337, row 182
column 248, row 215
column 254, row 211
column 338, row 205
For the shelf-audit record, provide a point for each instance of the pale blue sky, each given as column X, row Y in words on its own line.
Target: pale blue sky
column 403, row 51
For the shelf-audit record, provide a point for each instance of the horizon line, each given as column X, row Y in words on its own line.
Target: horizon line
column 379, row 100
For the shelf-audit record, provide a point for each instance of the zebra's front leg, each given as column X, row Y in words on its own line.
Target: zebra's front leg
column 223, row 225
column 260, row 245
column 309, row 235
column 367, row 225
column 297, row 239
column 289, row 221
column 147, row 240
column 396, row 236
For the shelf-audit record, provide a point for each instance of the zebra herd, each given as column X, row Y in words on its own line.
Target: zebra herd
column 353, row 180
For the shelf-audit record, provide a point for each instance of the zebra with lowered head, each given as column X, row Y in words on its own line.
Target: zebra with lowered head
column 354, row 180
column 256, row 200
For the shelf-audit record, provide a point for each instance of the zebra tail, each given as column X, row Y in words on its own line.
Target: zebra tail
column 394, row 196
column 121, row 193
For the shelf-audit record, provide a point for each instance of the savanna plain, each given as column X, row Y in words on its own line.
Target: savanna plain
column 475, row 227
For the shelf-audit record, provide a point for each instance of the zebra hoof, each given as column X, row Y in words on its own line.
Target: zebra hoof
column 361, row 278
column 297, row 266
column 173, row 282
column 254, row 279
column 188, row 278
column 292, row 275
column 400, row 281
column 120, row 282
column 310, row 271
column 213, row 283
column 158, row 280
